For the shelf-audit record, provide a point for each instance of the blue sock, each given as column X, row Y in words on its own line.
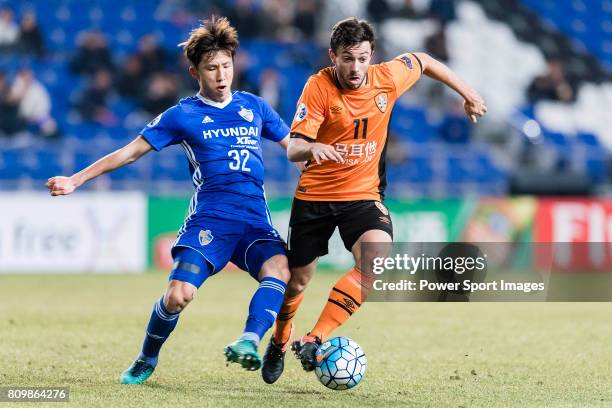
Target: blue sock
column 264, row 307
column 160, row 326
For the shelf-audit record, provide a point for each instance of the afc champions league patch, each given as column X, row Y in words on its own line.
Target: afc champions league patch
column 205, row 237
column 381, row 101
column 381, row 207
column 154, row 121
column 301, row 113
column 246, row 114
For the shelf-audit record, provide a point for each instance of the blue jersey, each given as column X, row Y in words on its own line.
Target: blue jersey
column 223, row 146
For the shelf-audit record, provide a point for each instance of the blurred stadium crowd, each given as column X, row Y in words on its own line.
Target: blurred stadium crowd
column 80, row 78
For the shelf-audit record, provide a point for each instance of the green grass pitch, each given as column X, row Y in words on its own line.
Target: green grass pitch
column 82, row 331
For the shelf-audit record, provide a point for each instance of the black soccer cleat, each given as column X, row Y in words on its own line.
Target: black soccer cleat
column 273, row 361
column 305, row 349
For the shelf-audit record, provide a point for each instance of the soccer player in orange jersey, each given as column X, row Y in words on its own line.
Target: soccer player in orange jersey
column 340, row 129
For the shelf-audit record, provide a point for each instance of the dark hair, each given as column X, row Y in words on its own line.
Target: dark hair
column 350, row 32
column 211, row 36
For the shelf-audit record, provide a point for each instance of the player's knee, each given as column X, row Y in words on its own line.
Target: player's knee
column 282, row 270
column 177, row 298
column 176, row 302
column 282, row 273
column 300, row 277
column 276, row 267
column 297, row 284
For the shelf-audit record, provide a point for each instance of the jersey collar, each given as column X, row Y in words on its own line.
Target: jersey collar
column 210, row 102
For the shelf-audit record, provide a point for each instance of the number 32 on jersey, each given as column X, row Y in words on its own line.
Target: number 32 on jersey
column 239, row 159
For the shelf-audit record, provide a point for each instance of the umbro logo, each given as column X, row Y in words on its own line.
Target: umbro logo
column 207, row 119
column 336, row 109
column 349, row 304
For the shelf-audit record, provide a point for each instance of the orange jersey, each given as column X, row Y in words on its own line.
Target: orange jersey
column 356, row 123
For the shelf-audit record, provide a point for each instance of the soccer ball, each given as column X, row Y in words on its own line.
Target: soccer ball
column 340, row 363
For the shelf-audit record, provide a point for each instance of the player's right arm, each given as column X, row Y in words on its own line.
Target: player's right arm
column 308, row 118
column 162, row 131
column 61, row 185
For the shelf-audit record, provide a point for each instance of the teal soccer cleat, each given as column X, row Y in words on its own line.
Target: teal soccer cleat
column 137, row 373
column 243, row 352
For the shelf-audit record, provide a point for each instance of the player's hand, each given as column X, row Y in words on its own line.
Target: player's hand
column 321, row 152
column 61, row 185
column 474, row 106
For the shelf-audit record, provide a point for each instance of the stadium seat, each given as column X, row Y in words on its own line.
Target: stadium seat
column 588, row 25
column 503, row 73
column 12, row 165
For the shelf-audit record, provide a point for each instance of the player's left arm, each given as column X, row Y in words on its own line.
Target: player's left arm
column 473, row 104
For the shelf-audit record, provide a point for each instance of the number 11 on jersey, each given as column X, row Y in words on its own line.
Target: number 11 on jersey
column 365, row 128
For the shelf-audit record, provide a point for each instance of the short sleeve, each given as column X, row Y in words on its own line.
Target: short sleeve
column 310, row 110
column 163, row 130
column 405, row 70
column 273, row 127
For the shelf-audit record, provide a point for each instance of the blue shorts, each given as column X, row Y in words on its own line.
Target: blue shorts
column 217, row 241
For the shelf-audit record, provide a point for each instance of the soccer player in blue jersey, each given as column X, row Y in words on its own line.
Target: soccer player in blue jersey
column 228, row 218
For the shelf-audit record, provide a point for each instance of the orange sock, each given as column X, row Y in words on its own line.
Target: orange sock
column 282, row 330
column 344, row 300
